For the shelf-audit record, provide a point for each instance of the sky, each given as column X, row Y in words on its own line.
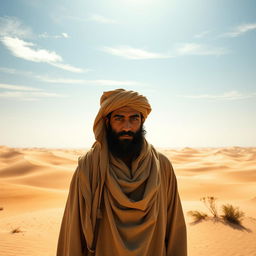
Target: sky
column 194, row 60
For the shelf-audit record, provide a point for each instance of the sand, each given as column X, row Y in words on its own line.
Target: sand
column 34, row 185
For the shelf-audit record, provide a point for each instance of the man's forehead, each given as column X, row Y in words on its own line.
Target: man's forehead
column 125, row 111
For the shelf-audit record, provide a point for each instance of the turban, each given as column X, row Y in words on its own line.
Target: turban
column 113, row 100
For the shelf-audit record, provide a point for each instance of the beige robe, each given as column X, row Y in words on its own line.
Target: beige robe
column 139, row 209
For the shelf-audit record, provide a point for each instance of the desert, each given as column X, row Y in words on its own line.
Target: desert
column 34, row 186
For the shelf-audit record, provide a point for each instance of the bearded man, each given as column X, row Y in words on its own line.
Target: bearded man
column 123, row 198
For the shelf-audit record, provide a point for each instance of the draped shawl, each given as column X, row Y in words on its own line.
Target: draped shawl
column 137, row 205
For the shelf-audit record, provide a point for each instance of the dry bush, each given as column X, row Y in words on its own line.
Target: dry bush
column 210, row 203
column 232, row 214
column 16, row 230
column 197, row 216
column 1, row 208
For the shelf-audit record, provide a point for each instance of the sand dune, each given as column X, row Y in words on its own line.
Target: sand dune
column 34, row 185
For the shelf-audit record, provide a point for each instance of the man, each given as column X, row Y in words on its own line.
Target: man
column 123, row 198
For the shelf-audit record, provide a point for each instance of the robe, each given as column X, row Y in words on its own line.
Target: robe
column 137, row 211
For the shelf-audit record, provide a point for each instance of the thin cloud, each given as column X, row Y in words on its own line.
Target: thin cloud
column 68, row 67
column 28, row 96
column 240, row 30
column 11, row 26
column 18, row 87
column 75, row 18
column 128, row 52
column 102, row 19
column 21, row 92
column 17, row 72
column 27, row 50
column 65, row 35
column 13, row 34
column 8, row 70
column 82, row 81
column 202, row 34
column 199, row 49
column 47, row 79
column 232, row 95
column 24, row 50
column 46, row 35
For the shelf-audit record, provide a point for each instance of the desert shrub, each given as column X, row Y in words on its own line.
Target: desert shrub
column 210, row 203
column 1, row 208
column 232, row 214
column 197, row 216
column 16, row 230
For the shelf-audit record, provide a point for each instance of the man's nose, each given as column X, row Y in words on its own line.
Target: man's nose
column 127, row 125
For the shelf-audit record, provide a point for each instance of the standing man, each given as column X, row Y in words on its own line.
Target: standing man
column 123, row 198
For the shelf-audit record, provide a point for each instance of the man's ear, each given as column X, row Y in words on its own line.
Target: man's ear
column 142, row 118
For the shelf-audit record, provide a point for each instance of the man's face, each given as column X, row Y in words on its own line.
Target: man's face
column 125, row 120
column 125, row 133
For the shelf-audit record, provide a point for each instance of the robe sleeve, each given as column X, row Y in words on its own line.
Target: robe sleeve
column 71, row 238
column 176, row 234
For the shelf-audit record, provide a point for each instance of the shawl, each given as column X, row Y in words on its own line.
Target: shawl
column 131, row 202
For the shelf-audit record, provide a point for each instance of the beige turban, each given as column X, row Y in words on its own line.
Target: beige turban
column 113, row 100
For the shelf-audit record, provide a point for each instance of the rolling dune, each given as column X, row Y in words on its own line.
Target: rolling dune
column 34, row 184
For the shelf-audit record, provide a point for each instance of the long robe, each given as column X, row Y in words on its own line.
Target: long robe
column 139, row 210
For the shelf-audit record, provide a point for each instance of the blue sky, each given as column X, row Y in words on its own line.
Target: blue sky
column 194, row 60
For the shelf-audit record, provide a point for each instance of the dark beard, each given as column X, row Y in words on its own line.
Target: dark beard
column 126, row 148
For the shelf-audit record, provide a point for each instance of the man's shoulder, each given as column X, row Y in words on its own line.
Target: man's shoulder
column 87, row 156
column 165, row 164
column 163, row 158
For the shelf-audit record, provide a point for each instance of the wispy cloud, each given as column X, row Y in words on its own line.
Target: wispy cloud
column 199, row 49
column 18, row 87
column 128, row 52
column 46, row 35
column 8, row 70
column 12, row 36
column 24, row 50
column 102, row 19
column 232, row 95
column 83, row 81
column 202, row 34
column 13, row 27
column 48, row 79
column 68, row 67
column 28, row 96
column 240, row 30
column 28, row 51
column 18, row 72
column 25, row 93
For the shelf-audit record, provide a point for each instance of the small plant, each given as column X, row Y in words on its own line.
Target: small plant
column 16, row 230
column 232, row 214
column 1, row 208
column 210, row 203
column 197, row 216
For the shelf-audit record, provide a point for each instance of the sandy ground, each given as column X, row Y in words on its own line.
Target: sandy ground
column 34, row 185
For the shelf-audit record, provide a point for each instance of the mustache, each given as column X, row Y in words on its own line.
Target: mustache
column 129, row 133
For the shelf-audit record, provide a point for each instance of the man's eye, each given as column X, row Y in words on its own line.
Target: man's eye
column 134, row 118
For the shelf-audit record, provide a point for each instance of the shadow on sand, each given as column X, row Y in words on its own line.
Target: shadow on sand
column 226, row 223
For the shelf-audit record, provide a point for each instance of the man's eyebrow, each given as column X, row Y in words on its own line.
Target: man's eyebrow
column 118, row 115
column 135, row 115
